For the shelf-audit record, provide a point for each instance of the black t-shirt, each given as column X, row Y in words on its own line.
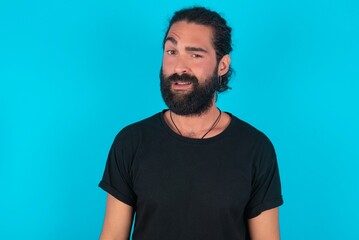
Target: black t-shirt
column 184, row 188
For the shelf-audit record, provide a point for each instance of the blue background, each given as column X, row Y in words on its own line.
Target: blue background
column 73, row 73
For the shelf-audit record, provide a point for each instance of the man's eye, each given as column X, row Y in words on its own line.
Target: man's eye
column 196, row 56
column 171, row 52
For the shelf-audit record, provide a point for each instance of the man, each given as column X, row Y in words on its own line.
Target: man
column 193, row 171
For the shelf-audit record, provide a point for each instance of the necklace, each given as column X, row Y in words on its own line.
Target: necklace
column 210, row 129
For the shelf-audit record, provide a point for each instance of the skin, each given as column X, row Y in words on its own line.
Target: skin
column 189, row 49
column 118, row 220
column 265, row 226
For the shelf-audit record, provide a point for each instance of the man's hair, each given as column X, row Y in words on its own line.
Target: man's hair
column 222, row 41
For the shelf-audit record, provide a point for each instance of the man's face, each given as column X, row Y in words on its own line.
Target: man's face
column 189, row 69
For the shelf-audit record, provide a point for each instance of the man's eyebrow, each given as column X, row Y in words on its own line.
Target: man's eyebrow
column 195, row 49
column 172, row 40
column 189, row 49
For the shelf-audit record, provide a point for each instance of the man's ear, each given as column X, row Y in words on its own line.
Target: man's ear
column 223, row 65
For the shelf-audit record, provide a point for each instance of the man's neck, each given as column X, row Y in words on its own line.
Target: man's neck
column 207, row 124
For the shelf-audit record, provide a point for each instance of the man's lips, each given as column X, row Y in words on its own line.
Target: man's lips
column 181, row 85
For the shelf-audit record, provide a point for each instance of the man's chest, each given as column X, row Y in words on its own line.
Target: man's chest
column 194, row 178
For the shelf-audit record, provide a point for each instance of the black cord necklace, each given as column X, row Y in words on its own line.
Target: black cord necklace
column 211, row 128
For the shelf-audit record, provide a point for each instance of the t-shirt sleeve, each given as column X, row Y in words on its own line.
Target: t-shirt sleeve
column 116, row 179
column 266, row 187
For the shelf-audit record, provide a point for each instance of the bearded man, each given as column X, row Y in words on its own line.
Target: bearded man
column 192, row 171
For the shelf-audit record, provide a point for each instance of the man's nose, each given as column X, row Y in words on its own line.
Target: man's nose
column 181, row 66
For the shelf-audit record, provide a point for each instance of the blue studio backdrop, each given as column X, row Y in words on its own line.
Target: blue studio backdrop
column 73, row 73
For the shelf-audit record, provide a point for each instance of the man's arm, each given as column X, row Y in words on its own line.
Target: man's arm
column 118, row 220
column 265, row 226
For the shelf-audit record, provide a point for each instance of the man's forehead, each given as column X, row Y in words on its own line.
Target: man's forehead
column 192, row 32
column 188, row 26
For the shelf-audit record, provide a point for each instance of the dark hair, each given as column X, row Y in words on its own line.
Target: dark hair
column 222, row 41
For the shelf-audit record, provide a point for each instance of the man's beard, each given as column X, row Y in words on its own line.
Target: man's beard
column 195, row 102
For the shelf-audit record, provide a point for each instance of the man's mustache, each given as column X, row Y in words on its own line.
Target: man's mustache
column 183, row 78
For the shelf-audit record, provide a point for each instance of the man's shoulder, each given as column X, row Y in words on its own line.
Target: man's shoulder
column 135, row 129
column 247, row 130
column 155, row 119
